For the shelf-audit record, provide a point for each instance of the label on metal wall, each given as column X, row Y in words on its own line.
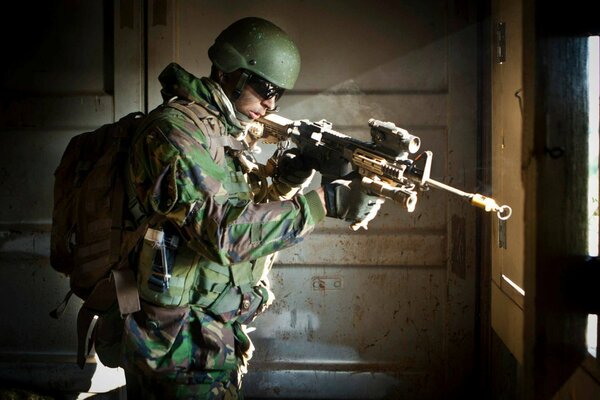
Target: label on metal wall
column 327, row 283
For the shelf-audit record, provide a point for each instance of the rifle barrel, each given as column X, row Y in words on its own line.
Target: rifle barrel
column 448, row 188
column 487, row 203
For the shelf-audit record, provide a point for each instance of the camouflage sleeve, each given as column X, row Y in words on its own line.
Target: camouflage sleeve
column 187, row 186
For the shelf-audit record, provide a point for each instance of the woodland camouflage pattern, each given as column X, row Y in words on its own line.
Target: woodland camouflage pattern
column 177, row 177
column 189, row 337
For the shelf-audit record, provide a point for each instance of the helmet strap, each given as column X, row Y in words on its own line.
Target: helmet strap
column 237, row 92
column 240, row 86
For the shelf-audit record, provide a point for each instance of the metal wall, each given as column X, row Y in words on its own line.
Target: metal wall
column 384, row 313
column 56, row 82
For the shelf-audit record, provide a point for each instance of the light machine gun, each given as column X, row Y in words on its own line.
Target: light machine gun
column 384, row 163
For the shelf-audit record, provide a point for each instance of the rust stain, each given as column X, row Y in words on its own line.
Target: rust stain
column 310, row 331
column 357, row 313
column 377, row 278
column 283, row 335
column 458, row 251
column 293, row 318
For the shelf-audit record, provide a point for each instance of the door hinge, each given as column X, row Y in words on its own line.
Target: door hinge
column 500, row 42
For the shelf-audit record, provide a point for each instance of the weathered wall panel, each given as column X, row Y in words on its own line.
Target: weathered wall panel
column 398, row 299
column 384, row 313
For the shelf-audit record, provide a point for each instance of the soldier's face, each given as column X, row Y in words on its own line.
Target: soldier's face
column 252, row 105
column 249, row 103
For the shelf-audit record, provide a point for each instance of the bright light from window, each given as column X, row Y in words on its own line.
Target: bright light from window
column 593, row 190
column 591, row 337
column 593, row 152
column 104, row 380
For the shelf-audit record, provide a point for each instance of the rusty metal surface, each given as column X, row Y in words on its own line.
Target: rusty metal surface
column 333, row 324
column 372, row 314
column 350, row 248
column 341, row 384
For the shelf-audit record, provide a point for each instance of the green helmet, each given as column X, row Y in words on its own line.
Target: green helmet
column 259, row 46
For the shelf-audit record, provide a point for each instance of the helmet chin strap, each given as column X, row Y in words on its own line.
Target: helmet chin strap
column 239, row 87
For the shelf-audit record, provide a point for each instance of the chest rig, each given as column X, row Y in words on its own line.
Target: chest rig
column 173, row 275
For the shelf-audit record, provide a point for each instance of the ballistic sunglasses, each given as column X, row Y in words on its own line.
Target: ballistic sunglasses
column 264, row 88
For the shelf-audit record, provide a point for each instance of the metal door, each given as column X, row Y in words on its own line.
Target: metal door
column 61, row 76
column 384, row 313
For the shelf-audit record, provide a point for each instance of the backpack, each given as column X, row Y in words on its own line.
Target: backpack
column 93, row 232
column 97, row 223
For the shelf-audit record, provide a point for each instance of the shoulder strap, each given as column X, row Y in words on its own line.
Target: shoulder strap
column 199, row 116
column 120, row 284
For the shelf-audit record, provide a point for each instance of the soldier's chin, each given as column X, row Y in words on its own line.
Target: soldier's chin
column 243, row 118
column 253, row 116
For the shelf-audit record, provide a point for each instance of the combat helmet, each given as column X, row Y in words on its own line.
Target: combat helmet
column 260, row 47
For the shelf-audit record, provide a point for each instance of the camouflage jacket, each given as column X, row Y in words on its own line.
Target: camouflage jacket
column 223, row 236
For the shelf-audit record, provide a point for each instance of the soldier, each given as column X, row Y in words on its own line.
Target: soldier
column 216, row 221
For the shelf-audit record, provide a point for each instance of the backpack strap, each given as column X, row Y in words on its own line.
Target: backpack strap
column 202, row 119
column 133, row 205
column 121, row 283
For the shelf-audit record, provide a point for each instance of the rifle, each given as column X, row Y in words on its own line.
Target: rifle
column 385, row 163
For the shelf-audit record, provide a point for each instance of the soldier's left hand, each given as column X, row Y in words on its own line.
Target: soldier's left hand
column 294, row 169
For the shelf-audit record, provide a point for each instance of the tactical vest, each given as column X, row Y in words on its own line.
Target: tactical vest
column 171, row 274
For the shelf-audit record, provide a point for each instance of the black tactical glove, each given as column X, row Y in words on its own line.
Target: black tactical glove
column 293, row 169
column 345, row 199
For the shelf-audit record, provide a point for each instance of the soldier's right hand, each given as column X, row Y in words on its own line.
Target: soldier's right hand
column 346, row 199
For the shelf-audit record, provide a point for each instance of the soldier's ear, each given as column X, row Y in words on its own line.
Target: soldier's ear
column 222, row 76
column 217, row 75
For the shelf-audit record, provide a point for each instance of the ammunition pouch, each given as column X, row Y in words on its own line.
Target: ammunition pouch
column 232, row 304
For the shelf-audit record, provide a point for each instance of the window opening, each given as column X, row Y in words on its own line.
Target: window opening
column 593, row 146
column 593, row 178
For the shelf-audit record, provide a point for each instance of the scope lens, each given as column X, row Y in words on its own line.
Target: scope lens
column 414, row 144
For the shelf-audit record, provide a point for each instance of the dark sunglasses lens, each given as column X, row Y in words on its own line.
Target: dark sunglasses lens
column 264, row 88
